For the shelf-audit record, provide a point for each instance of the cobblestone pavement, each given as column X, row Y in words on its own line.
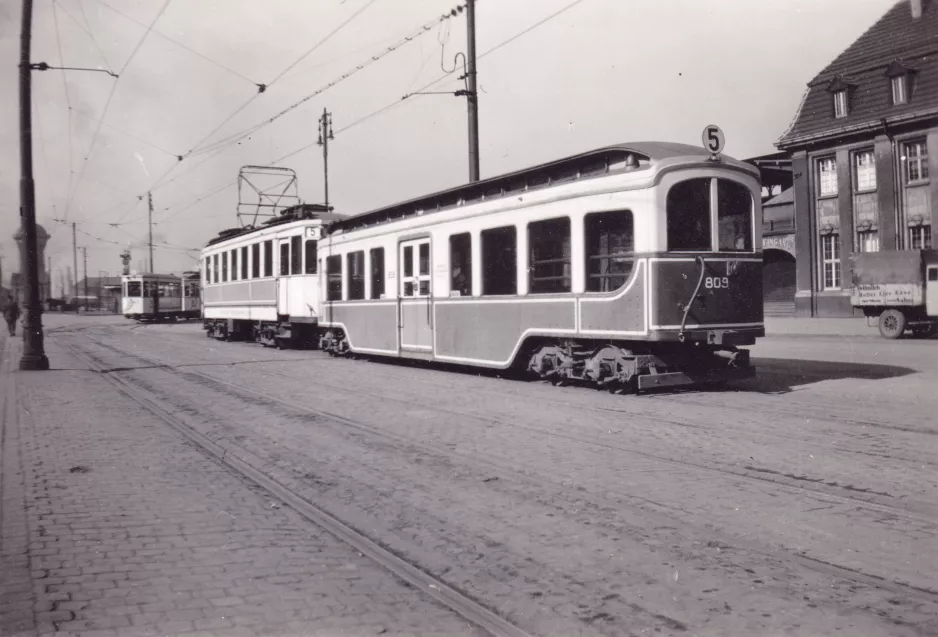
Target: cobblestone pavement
column 113, row 525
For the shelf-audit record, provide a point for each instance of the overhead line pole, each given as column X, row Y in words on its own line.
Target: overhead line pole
column 325, row 134
column 84, row 256
column 34, row 356
column 74, row 277
column 472, row 96
column 150, row 223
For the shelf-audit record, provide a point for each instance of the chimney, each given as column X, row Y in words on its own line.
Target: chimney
column 916, row 8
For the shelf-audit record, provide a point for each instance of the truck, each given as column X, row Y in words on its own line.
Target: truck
column 900, row 288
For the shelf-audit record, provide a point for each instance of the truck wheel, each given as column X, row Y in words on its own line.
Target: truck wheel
column 892, row 323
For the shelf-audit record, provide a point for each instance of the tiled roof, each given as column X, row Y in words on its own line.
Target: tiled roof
column 785, row 197
column 897, row 36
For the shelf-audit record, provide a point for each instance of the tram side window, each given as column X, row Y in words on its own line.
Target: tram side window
column 334, row 278
column 244, row 263
column 215, row 278
column 460, row 263
column 296, row 256
column 610, row 247
column 224, row 266
column 268, row 258
column 734, row 216
column 549, row 247
column 310, row 255
column 377, row 272
column 234, row 264
column 284, row 258
column 207, row 265
column 355, row 266
column 688, row 209
column 256, row 261
column 133, row 289
column 499, row 261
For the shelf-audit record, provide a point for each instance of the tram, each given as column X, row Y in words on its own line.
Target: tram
column 161, row 297
column 633, row 266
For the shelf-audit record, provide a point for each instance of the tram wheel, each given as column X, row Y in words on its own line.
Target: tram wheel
column 892, row 323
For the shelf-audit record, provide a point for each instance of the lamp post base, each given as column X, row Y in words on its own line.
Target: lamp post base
column 30, row 362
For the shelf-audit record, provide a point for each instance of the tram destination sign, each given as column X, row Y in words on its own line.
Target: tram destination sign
column 882, row 294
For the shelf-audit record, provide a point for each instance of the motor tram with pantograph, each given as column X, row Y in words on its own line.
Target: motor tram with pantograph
column 261, row 283
column 161, row 297
column 633, row 266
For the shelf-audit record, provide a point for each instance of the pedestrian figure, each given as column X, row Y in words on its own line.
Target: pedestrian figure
column 11, row 312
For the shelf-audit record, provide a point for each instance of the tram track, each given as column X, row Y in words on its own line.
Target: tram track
column 883, row 502
column 408, row 571
column 802, row 560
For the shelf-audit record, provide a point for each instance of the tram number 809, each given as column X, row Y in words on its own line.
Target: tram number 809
column 716, row 282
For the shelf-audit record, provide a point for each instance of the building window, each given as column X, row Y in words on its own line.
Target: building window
column 549, row 250
column 377, row 272
column 920, row 237
column 499, row 261
column 688, row 208
column 460, row 263
column 864, row 171
column 355, row 267
column 916, row 161
column 734, row 216
column 827, row 177
column 840, row 104
column 334, row 278
column 268, row 258
column 867, row 241
column 244, row 263
column 830, row 255
column 900, row 89
column 256, row 261
column 610, row 247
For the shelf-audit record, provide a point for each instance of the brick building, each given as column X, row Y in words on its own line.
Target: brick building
column 863, row 145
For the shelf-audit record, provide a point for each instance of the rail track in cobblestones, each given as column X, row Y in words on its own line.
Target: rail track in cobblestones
column 414, row 575
column 881, row 501
column 802, row 560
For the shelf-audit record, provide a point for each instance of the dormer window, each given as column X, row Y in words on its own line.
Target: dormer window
column 900, row 91
column 899, row 81
column 839, row 89
column 840, row 104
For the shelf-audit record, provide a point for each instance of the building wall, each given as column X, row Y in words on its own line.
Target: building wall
column 889, row 208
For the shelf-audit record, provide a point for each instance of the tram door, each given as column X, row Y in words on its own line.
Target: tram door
column 416, row 324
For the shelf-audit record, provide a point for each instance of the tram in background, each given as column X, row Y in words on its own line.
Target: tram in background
column 161, row 297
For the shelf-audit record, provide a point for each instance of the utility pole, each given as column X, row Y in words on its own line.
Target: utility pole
column 325, row 134
column 150, row 223
column 75, row 261
column 472, row 95
column 34, row 355
column 84, row 256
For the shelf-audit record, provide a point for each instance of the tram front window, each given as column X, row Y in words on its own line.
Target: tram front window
column 688, row 208
column 133, row 289
column 734, row 216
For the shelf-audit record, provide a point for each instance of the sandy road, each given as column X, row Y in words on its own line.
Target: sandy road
column 802, row 505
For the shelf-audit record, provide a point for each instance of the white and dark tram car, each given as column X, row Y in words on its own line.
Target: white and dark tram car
column 261, row 283
column 161, row 297
column 631, row 266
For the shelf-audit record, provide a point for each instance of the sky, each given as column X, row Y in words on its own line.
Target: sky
column 556, row 77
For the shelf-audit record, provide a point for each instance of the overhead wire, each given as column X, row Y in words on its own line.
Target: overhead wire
column 107, row 103
column 68, row 102
column 86, row 27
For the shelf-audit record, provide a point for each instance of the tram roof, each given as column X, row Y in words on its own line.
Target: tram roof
column 648, row 154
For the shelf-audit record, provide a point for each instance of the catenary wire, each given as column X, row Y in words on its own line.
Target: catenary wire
column 68, row 102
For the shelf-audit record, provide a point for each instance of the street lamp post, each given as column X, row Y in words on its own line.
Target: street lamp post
column 34, row 356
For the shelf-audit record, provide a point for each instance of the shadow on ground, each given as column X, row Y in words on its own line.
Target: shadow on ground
column 779, row 375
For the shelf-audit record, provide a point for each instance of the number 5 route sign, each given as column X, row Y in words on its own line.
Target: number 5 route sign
column 713, row 139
